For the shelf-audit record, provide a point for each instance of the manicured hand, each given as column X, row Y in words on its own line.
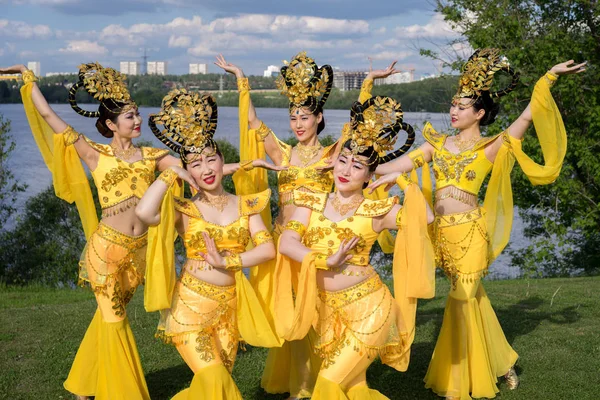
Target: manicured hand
column 382, row 73
column 212, row 256
column 341, row 256
column 228, row 67
column 388, row 180
column 567, row 68
column 186, row 176
column 15, row 69
column 260, row 163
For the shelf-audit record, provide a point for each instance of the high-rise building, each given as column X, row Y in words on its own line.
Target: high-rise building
column 272, row 70
column 130, row 67
column 35, row 67
column 348, row 80
column 59, row 73
column 401, row 77
column 196, row 68
column 157, row 67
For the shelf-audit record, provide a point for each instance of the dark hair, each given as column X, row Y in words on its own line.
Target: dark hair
column 216, row 147
column 485, row 102
column 370, row 154
column 108, row 110
column 321, row 126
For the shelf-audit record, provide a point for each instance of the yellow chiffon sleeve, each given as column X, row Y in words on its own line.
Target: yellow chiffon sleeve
column 365, row 90
column 253, row 321
column 255, row 180
column 414, row 263
column 551, row 133
column 68, row 176
column 160, row 255
column 294, row 318
column 385, row 238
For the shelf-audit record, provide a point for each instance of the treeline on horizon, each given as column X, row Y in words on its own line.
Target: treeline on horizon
column 429, row 95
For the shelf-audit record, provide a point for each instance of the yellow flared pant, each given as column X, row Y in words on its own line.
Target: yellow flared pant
column 107, row 364
column 471, row 350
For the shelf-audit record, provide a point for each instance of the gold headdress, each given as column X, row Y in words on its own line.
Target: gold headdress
column 375, row 124
column 189, row 120
column 305, row 84
column 105, row 85
column 478, row 75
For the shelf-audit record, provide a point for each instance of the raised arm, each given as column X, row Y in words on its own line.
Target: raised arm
column 271, row 147
column 57, row 124
column 148, row 209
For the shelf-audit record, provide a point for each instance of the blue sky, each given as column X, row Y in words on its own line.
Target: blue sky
column 62, row 34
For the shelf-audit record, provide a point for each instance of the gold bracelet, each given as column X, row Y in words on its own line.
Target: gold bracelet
column 262, row 132
column 247, row 165
column 295, row 226
column 243, row 84
column 233, row 261
column 403, row 181
column 70, row 135
column 262, row 237
column 551, row 78
column 28, row 76
column 321, row 261
column 168, row 176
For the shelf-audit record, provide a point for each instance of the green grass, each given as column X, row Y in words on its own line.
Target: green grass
column 554, row 325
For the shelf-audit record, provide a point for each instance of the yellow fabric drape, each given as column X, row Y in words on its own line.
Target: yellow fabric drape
column 552, row 136
column 255, row 180
column 413, row 265
column 68, row 176
column 160, row 269
column 385, row 238
column 294, row 318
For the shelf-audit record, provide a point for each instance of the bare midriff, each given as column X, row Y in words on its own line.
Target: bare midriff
column 125, row 221
column 215, row 276
column 343, row 277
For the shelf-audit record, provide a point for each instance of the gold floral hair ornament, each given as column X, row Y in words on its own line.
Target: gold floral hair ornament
column 105, row 85
column 478, row 75
column 375, row 124
column 304, row 83
column 189, row 120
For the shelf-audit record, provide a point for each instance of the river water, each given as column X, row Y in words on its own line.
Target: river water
column 28, row 166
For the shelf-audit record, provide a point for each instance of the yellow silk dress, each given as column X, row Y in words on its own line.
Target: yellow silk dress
column 355, row 325
column 206, row 322
column 471, row 350
column 293, row 368
column 107, row 364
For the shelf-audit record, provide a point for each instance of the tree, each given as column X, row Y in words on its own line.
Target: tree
column 8, row 186
column 563, row 218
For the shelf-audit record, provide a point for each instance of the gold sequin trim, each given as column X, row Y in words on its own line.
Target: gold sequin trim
column 262, row 237
column 168, row 176
column 296, row 226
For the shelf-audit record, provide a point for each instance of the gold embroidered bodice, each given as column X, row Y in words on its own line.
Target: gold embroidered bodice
column 233, row 237
column 117, row 180
column 308, row 178
column 465, row 170
column 325, row 236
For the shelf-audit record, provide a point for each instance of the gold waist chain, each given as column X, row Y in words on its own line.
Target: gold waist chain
column 457, row 194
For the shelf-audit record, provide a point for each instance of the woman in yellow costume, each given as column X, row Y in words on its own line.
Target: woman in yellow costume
column 212, row 305
column 107, row 364
column 338, row 292
column 293, row 368
column 471, row 350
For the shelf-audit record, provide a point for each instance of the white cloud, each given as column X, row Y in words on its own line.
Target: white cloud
column 180, row 41
column 435, row 28
column 84, row 47
column 384, row 55
column 24, row 30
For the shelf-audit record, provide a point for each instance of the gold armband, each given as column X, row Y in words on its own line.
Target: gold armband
column 28, row 76
column 551, row 78
column 70, row 135
column 243, row 84
column 262, row 237
column 247, row 165
column 233, row 261
column 296, row 226
column 417, row 157
column 399, row 219
column 403, row 181
column 321, row 261
column 168, row 176
column 262, row 132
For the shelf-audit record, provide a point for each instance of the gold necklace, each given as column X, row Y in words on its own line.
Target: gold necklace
column 123, row 154
column 344, row 208
column 219, row 201
column 307, row 153
column 463, row 145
